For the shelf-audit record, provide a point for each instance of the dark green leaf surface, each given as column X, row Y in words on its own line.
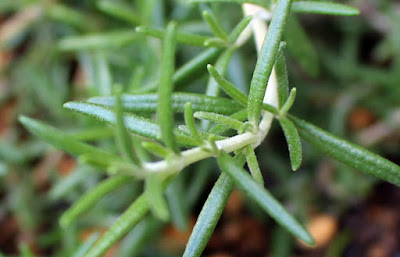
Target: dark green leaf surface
column 293, row 142
column 324, row 8
column 348, row 153
column 148, row 103
column 266, row 60
column 155, row 197
column 261, row 196
column 281, row 75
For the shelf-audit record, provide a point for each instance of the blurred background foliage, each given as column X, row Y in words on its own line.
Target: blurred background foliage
column 347, row 76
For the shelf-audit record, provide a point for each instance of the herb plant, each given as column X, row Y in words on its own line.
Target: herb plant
column 161, row 129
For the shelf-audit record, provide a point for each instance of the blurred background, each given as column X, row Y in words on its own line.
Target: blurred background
column 347, row 74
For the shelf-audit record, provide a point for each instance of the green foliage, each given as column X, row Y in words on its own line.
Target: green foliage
column 150, row 84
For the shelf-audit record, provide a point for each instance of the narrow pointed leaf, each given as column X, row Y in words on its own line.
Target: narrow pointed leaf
column 156, row 149
column 215, row 25
column 227, row 121
column 99, row 41
column 92, row 197
column 227, row 86
column 289, row 102
column 133, row 123
column 348, row 153
column 155, row 197
column 252, row 163
column 190, row 123
column 165, row 113
column 299, row 45
column 219, row 129
column 324, row 8
column 261, row 196
column 123, row 139
column 148, row 103
column 211, row 213
column 281, row 75
column 185, row 38
column 64, row 141
column 293, row 142
column 237, row 31
column 119, row 10
column 266, row 60
column 124, row 223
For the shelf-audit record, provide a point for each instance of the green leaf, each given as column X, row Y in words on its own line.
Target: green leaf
column 185, row 38
column 240, row 27
column 252, row 163
column 300, row 46
column 210, row 213
column 265, row 3
column 113, row 39
column 289, row 102
column 133, row 123
column 266, row 60
column 215, row 25
column 71, row 16
column 348, row 153
column 165, row 113
column 148, row 103
column 261, row 196
column 190, row 123
column 221, row 119
column 123, row 139
column 293, row 142
column 93, row 196
column 281, row 75
column 156, row 149
column 119, row 10
column 86, row 245
column 65, row 142
column 324, row 8
column 155, row 197
column 219, row 129
column 227, row 86
column 178, row 208
column 124, row 223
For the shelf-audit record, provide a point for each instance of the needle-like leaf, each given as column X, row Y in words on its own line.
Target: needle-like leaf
column 66, row 142
column 165, row 113
column 92, row 197
column 211, row 212
column 348, row 153
column 148, row 103
column 237, row 31
column 256, row 2
column 221, row 119
column 262, row 197
column 293, row 142
column 119, row 10
column 190, row 123
column 133, row 123
column 215, row 25
column 324, row 8
column 289, row 102
column 252, row 163
column 266, row 60
column 155, row 197
column 281, row 75
column 185, row 38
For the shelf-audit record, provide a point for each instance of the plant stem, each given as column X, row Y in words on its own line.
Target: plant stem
column 193, row 155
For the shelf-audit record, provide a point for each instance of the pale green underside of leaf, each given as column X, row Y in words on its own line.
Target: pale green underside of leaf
column 348, row 153
column 293, row 142
column 262, row 196
column 149, row 103
column 133, row 123
column 324, row 8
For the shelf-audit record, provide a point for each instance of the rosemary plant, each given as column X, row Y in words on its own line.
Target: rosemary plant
column 161, row 129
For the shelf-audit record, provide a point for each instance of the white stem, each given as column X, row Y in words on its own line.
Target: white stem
column 231, row 144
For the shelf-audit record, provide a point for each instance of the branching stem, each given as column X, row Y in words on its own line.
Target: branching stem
column 259, row 28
